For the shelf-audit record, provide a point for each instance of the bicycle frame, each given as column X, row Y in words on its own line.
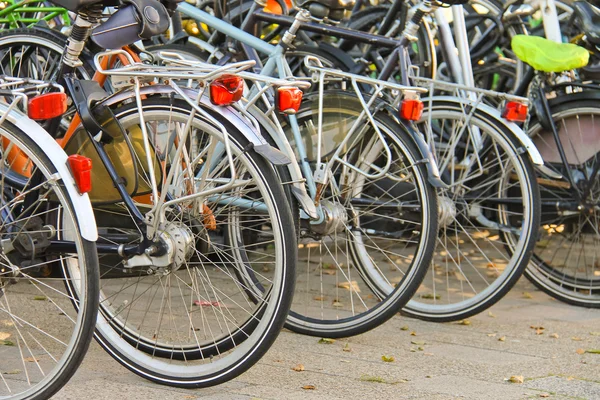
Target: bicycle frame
column 12, row 14
column 276, row 62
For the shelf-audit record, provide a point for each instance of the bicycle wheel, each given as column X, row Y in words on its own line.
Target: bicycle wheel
column 382, row 226
column 36, row 53
column 566, row 258
column 191, row 324
column 43, row 337
column 489, row 216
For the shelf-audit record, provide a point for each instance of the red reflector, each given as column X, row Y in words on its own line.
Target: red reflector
column 226, row 90
column 289, row 99
column 81, row 168
column 47, row 106
column 411, row 109
column 515, row 111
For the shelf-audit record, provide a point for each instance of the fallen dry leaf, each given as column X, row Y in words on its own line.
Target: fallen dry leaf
column 502, row 339
column 580, row 351
column 385, row 358
column 539, row 331
column 12, row 372
column 413, row 333
column 4, row 335
column 6, row 343
column 31, row 359
column 298, row 368
column 309, row 387
column 554, row 336
column 404, row 328
column 326, row 341
column 491, row 315
column 40, row 298
column 352, row 286
column 417, row 342
column 204, row 303
column 427, row 354
column 491, row 334
column 527, row 295
column 347, row 348
column 516, row 379
column 337, row 304
column 464, row 322
column 576, row 339
column 329, row 271
column 595, row 333
column 319, row 298
column 537, row 327
column 544, row 395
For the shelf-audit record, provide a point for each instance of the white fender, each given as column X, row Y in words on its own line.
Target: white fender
column 525, row 140
column 58, row 158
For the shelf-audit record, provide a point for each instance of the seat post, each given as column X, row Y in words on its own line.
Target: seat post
column 80, row 32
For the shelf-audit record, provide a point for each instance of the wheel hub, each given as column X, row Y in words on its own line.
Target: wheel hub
column 446, row 211
column 335, row 219
column 179, row 240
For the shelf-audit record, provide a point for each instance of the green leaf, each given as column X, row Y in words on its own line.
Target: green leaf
column 326, row 341
column 40, row 298
column 6, row 343
column 593, row 351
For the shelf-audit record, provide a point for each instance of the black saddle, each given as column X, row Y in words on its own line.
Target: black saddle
column 330, row 9
column 589, row 16
column 76, row 5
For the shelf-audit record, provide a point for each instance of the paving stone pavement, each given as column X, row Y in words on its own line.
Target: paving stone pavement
column 456, row 361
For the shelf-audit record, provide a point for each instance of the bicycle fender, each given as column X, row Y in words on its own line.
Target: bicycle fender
column 494, row 114
column 250, row 132
column 57, row 156
column 299, row 188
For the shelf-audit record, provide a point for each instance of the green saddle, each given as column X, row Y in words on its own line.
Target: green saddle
column 548, row 56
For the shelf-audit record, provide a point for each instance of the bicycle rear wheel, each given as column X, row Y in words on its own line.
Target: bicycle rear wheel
column 489, row 216
column 566, row 261
column 43, row 337
column 193, row 325
column 382, row 227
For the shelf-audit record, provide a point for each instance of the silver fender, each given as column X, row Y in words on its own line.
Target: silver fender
column 492, row 113
column 58, row 158
column 250, row 132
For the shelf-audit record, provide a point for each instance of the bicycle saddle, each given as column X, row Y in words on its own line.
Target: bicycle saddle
column 548, row 56
column 330, row 9
column 76, row 5
column 590, row 20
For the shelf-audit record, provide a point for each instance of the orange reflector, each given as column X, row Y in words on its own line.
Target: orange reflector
column 411, row 109
column 515, row 111
column 289, row 99
column 226, row 90
column 81, row 168
column 47, row 106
